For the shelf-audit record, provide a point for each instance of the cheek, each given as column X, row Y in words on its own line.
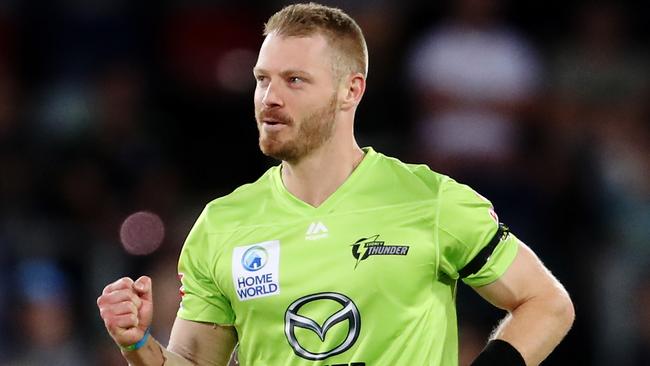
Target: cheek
column 258, row 96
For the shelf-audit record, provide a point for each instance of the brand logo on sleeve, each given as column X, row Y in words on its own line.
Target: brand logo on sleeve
column 255, row 270
column 494, row 215
column 181, row 290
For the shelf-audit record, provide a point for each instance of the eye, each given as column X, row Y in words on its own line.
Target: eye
column 261, row 80
column 295, row 80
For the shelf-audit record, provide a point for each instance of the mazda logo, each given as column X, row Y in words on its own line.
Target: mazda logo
column 293, row 319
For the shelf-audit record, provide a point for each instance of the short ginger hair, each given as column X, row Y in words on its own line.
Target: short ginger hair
column 342, row 33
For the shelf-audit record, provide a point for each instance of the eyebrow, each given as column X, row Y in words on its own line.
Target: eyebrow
column 284, row 73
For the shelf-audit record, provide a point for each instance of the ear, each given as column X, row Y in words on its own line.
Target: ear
column 351, row 90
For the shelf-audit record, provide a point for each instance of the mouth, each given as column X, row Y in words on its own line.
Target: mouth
column 271, row 125
column 272, row 122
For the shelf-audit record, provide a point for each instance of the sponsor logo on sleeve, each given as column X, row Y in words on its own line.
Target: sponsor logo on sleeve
column 494, row 215
column 181, row 290
column 255, row 270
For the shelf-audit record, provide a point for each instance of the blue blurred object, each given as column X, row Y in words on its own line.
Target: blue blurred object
column 41, row 280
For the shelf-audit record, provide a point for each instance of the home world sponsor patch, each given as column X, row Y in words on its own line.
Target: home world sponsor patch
column 255, row 270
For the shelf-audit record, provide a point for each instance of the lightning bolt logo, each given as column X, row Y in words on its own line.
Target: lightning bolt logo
column 361, row 252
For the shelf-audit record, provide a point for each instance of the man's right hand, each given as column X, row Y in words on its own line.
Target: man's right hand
column 127, row 309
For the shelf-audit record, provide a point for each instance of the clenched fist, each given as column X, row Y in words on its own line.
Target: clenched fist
column 127, row 309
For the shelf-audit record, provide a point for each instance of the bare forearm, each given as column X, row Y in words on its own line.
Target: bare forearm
column 153, row 354
column 537, row 326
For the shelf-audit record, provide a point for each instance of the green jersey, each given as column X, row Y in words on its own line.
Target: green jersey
column 366, row 278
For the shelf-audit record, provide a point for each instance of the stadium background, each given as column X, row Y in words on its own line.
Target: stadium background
column 110, row 107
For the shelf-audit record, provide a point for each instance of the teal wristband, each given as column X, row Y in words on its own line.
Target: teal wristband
column 139, row 343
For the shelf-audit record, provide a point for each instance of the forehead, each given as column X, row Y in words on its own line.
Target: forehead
column 310, row 54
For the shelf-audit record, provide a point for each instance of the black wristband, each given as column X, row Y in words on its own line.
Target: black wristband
column 499, row 353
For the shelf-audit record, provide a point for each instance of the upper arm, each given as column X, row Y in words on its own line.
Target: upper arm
column 526, row 278
column 467, row 226
column 202, row 343
column 199, row 265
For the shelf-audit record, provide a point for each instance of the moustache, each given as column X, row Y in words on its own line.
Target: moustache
column 274, row 115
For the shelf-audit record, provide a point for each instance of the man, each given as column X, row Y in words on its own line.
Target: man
column 340, row 255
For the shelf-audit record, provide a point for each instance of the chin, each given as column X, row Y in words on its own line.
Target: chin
column 271, row 148
column 278, row 150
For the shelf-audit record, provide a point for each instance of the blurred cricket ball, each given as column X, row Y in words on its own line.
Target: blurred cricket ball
column 142, row 233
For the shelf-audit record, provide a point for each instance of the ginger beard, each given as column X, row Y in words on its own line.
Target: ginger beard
column 297, row 140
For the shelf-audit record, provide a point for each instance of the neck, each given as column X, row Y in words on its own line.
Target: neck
column 318, row 175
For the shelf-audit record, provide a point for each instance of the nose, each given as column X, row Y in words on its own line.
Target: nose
column 271, row 97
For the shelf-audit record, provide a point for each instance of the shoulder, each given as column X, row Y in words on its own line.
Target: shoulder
column 415, row 178
column 422, row 182
column 246, row 192
column 241, row 204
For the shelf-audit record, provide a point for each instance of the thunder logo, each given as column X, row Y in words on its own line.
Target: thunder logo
column 366, row 247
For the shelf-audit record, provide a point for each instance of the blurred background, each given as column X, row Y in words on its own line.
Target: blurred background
column 109, row 107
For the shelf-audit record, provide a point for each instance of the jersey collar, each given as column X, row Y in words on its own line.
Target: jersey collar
column 295, row 204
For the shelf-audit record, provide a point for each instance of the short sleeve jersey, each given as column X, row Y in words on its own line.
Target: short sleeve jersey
column 366, row 278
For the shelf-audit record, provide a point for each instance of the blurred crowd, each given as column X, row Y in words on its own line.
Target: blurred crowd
column 110, row 107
